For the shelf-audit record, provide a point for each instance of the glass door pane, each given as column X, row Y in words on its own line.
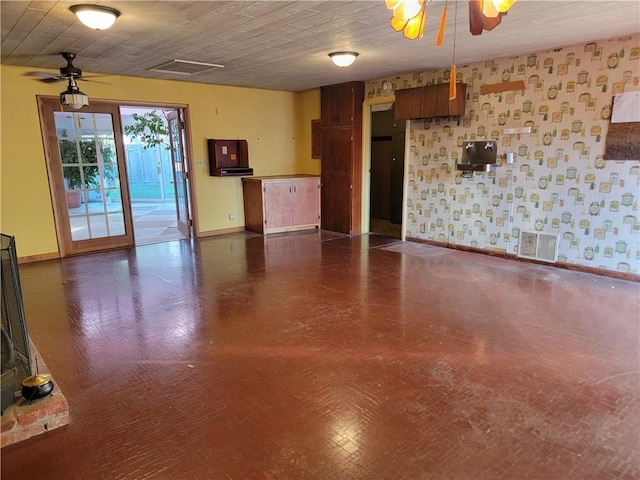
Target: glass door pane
column 180, row 173
column 91, row 176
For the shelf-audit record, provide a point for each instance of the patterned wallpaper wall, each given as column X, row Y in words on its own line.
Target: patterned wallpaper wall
column 560, row 182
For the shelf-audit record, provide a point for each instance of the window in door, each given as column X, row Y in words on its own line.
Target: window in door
column 88, row 157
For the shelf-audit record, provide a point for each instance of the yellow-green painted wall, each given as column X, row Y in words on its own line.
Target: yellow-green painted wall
column 308, row 109
column 276, row 125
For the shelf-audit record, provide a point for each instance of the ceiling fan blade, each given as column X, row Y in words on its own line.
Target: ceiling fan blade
column 92, row 81
column 41, row 74
column 52, row 80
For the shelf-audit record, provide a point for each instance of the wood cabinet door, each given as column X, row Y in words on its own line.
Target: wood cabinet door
column 337, row 104
column 457, row 105
column 306, row 201
column 408, row 103
column 435, row 101
column 278, row 203
column 337, row 171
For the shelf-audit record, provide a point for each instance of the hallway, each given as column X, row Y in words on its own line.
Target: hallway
column 318, row 355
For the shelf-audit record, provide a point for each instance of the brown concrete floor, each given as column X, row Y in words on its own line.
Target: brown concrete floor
column 320, row 356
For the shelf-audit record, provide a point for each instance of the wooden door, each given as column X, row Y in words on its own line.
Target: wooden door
column 381, row 160
column 180, row 172
column 337, row 174
column 278, row 203
column 397, row 178
column 306, row 201
column 85, row 158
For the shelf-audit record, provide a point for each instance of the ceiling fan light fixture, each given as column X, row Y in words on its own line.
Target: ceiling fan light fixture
column 73, row 97
column 343, row 59
column 409, row 17
column 96, row 17
column 503, row 5
column 407, row 9
column 493, row 8
column 414, row 29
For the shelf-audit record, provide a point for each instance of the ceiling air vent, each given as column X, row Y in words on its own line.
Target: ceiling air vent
column 538, row 246
column 184, row 67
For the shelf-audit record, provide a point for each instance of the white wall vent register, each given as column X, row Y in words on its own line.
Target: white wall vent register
column 538, row 246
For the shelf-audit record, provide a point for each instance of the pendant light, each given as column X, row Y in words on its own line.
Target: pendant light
column 73, row 97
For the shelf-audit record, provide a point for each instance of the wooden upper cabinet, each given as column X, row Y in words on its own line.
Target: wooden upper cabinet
column 429, row 102
column 408, row 103
column 338, row 104
column 435, row 101
column 457, row 105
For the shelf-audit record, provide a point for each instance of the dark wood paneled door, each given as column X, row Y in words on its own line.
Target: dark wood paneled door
column 381, row 160
column 337, row 190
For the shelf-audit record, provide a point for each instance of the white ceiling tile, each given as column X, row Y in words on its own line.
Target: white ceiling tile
column 284, row 45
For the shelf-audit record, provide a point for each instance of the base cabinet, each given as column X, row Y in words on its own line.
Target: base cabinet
column 282, row 203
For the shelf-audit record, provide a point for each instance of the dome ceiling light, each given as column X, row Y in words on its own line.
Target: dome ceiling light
column 343, row 59
column 96, row 17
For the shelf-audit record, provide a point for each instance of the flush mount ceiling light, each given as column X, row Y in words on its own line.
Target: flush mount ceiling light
column 95, row 16
column 73, row 97
column 343, row 59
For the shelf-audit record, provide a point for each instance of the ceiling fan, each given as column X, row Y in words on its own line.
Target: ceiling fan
column 66, row 72
column 72, row 96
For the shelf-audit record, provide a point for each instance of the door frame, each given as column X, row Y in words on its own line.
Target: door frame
column 50, row 160
column 366, row 164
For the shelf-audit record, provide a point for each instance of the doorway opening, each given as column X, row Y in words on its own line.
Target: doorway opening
column 89, row 175
column 152, row 185
column 387, row 171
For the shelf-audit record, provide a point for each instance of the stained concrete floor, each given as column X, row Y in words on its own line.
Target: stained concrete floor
column 321, row 356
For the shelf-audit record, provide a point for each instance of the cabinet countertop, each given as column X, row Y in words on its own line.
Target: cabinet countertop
column 279, row 177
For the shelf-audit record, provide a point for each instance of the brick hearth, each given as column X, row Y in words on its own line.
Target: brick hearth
column 24, row 420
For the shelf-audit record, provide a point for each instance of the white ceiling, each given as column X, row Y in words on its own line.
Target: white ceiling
column 283, row 45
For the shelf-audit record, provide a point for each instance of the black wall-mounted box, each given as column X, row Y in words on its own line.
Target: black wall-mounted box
column 228, row 158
